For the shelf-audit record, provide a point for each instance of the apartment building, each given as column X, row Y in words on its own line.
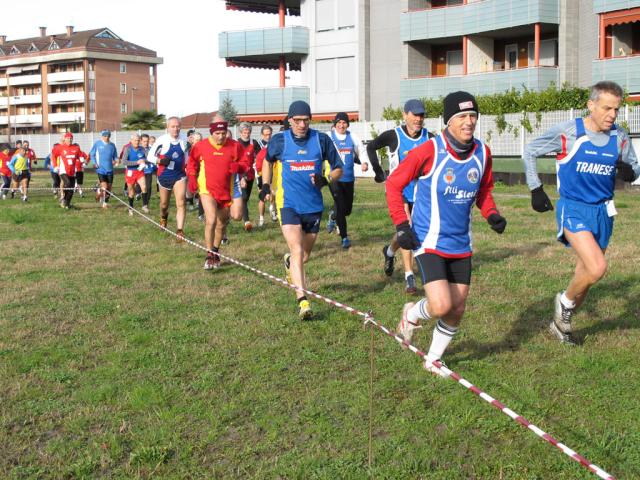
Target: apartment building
column 361, row 56
column 75, row 81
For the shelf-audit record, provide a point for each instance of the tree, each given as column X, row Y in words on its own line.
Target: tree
column 143, row 120
column 228, row 111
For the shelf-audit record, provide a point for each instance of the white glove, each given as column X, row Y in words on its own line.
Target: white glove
column 56, row 169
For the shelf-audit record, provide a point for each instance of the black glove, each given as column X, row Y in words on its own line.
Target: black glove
column 539, row 200
column 379, row 178
column 406, row 238
column 319, row 180
column 498, row 222
column 163, row 160
column 625, row 171
column 259, row 181
column 264, row 191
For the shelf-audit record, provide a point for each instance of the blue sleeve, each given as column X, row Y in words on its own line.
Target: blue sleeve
column 114, row 152
column 330, row 152
column 12, row 163
column 275, row 148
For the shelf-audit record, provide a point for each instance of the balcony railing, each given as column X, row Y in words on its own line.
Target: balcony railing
column 622, row 70
column 58, row 78
column 476, row 17
column 264, row 41
column 25, row 80
column 533, row 78
column 65, row 97
column 264, row 100
column 34, row 120
column 66, row 117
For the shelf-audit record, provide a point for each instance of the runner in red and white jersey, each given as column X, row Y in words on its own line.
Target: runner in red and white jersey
column 64, row 157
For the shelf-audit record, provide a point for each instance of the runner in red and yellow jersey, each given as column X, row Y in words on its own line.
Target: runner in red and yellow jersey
column 211, row 168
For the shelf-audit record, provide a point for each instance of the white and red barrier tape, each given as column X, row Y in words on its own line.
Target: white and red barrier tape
column 369, row 319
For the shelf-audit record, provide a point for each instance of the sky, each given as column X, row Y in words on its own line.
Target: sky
column 184, row 35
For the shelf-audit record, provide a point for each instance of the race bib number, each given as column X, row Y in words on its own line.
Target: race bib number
column 611, row 208
column 69, row 161
column 129, row 173
column 171, row 165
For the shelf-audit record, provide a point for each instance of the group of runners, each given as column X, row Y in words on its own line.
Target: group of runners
column 15, row 169
column 434, row 180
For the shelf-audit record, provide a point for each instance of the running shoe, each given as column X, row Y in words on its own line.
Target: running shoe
column 209, row 263
column 431, row 368
column 81, row 194
column 201, row 218
column 389, row 262
column 163, row 222
column 130, row 212
column 273, row 213
column 4, row 196
column 405, row 328
column 145, row 209
column 137, row 196
column 346, row 243
column 304, row 310
column 105, row 205
column 261, row 222
column 24, row 198
column 224, row 241
column 179, row 235
column 248, row 226
column 287, row 266
column 560, row 326
column 331, row 223
column 410, row 285
column 13, row 194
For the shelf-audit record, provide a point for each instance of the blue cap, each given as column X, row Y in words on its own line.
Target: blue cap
column 414, row 106
column 299, row 108
column 105, row 133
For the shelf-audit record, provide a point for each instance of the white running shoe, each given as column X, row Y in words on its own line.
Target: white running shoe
column 130, row 213
column 145, row 209
column 405, row 327
column 261, row 222
column 431, row 368
column 560, row 326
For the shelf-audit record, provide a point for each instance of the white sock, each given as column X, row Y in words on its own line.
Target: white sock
column 261, row 218
column 442, row 336
column 407, row 274
column 390, row 253
column 566, row 302
column 418, row 312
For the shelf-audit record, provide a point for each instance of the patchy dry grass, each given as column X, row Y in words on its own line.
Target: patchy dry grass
column 121, row 358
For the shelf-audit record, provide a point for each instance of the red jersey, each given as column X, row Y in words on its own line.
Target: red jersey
column 4, row 161
column 215, row 166
column 81, row 162
column 65, row 157
column 259, row 159
column 250, row 150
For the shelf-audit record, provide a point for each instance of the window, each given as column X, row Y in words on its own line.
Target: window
column 92, row 85
column 123, row 108
column 511, row 56
column 336, row 74
column 92, row 106
column 54, row 46
column 14, row 51
column 106, row 34
column 334, row 15
column 123, row 68
column 454, row 62
column 33, row 48
column 123, row 88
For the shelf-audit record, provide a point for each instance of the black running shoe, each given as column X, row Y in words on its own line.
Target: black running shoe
column 389, row 262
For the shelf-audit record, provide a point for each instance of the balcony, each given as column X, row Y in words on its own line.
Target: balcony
column 477, row 17
column 623, row 70
column 61, row 78
column 25, row 80
column 263, row 47
column 65, row 97
column 23, row 120
column 66, row 117
column 534, row 78
column 602, row 6
column 264, row 100
column 263, row 6
column 26, row 99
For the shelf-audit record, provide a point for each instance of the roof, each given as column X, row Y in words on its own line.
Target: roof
column 197, row 120
column 99, row 39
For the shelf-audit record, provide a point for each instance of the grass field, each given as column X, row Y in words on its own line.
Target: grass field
column 121, row 358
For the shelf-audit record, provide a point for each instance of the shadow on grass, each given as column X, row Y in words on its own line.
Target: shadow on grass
column 536, row 318
column 487, row 256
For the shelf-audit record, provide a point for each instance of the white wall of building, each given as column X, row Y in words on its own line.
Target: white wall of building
column 331, row 68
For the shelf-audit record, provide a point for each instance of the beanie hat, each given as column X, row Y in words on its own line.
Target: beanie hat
column 68, row 135
column 299, row 108
column 457, row 103
column 341, row 116
column 216, row 126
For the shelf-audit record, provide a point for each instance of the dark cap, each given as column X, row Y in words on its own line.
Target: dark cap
column 414, row 106
column 341, row 116
column 299, row 108
column 191, row 131
column 459, row 102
